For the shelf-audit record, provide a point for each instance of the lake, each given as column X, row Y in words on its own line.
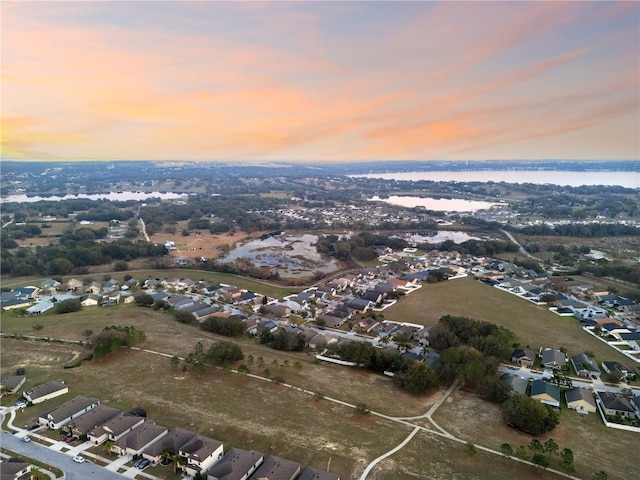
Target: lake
column 539, row 177
column 114, row 196
column 437, row 204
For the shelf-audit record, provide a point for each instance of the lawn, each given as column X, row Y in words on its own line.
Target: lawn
column 534, row 325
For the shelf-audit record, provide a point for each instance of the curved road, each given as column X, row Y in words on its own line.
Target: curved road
column 520, row 247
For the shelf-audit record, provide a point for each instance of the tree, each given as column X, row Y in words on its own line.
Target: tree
column 175, row 361
column 243, row 369
column 144, row 300
column 109, row 444
column 185, row 317
column 600, row 475
column 528, row 415
column 68, row 306
column 535, row 446
column 418, row 379
column 540, row 460
column 506, row 449
column 471, row 449
column 521, row 452
column 551, row 447
column 566, row 460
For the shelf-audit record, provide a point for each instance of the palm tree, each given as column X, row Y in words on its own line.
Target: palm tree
column 178, row 461
column 109, row 444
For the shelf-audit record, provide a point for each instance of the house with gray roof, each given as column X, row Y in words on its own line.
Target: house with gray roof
column 200, row 453
column 553, row 358
column 114, row 429
column 237, row 464
column 617, row 368
column 15, row 469
column 134, row 442
column 276, row 468
column 313, row 473
column 172, row 441
column 12, row 383
column 585, row 366
column 91, row 420
column 62, row 414
column 581, row 400
column 517, row 383
column 42, row 393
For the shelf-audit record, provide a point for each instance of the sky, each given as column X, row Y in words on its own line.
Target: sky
column 319, row 81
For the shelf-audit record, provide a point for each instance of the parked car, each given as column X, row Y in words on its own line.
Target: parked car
column 78, row 459
column 144, row 463
column 33, row 427
column 26, row 439
column 21, row 403
column 69, row 439
column 138, row 462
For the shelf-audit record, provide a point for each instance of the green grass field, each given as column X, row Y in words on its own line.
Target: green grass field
column 534, row 325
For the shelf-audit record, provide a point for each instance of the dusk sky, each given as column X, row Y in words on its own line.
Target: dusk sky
column 320, row 81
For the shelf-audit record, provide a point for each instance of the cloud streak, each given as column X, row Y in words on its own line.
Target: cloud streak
column 320, row 82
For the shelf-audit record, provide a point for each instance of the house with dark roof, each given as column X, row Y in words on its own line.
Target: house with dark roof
column 12, row 383
column 15, row 469
column 545, row 392
column 276, row 468
column 172, row 441
column 524, row 357
column 581, row 400
column 134, row 442
column 46, row 391
column 617, row 368
column 632, row 339
column 62, row 414
column 90, row 420
column 114, row 429
column 614, row 405
column 200, row 453
column 237, row 464
column 313, row 473
column 585, row 366
column 517, row 383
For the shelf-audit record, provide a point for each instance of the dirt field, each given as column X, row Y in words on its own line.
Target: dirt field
column 202, row 244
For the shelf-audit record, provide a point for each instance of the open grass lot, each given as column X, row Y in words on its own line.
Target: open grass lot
column 238, row 410
column 473, row 419
column 432, row 457
column 534, row 325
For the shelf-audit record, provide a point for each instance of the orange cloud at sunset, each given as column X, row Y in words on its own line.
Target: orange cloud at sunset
column 319, row 81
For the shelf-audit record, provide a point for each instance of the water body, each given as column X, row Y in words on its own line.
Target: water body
column 436, row 204
column 289, row 255
column 114, row 196
column 539, row 177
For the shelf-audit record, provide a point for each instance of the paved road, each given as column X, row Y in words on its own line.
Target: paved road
column 520, row 247
column 71, row 469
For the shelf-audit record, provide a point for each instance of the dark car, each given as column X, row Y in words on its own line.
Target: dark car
column 144, row 463
column 32, row 427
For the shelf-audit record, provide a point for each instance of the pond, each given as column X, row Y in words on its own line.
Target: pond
column 437, row 204
column 289, row 255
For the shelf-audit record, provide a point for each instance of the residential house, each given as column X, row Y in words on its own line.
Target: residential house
column 200, row 453
column 581, row 400
column 367, row 324
column 89, row 300
column 134, row 442
column 360, row 305
column 276, row 468
column 278, row 310
column 93, row 287
column 517, row 383
column 614, row 405
column 384, row 329
column 554, row 359
column 616, row 368
column 313, row 473
column 91, row 420
column 171, row 442
column 237, row 464
column 126, row 297
column 614, row 330
column 110, row 299
column 12, row 383
column 330, row 320
column 15, row 469
column 373, row 296
column 49, row 285
column 523, row 357
column 114, row 429
column 46, row 391
column 632, row 339
column 268, row 326
column 585, row 366
column 62, row 414
column 13, row 300
column 74, row 284
column 545, row 392
column 204, row 313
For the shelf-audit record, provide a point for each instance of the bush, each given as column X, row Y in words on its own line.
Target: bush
column 529, row 415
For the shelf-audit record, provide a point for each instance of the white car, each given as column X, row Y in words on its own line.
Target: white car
column 26, row 439
column 21, row 404
column 78, row 459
